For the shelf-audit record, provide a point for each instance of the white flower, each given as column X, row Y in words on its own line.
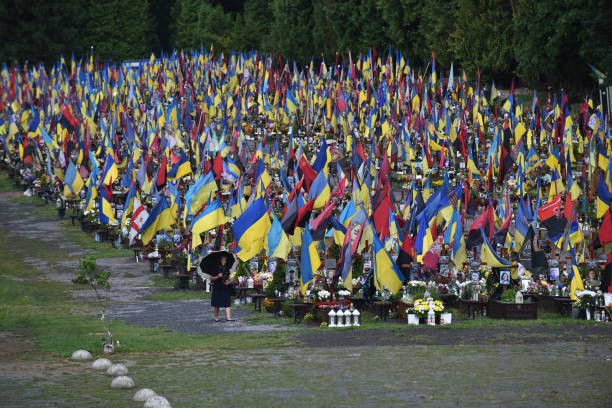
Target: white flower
column 344, row 292
column 265, row 275
column 581, row 293
column 323, row 294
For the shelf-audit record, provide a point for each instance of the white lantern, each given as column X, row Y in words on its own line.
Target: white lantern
column 340, row 314
column 431, row 315
column 332, row 318
column 347, row 318
column 356, row 317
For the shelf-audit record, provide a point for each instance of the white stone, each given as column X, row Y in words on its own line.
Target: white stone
column 81, row 355
column 157, row 402
column 101, row 364
column 122, row 382
column 143, row 395
column 116, row 370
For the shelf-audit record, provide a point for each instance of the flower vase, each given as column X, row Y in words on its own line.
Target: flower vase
column 588, row 313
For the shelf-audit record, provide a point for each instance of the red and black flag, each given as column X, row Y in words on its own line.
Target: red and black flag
column 485, row 221
column 553, row 218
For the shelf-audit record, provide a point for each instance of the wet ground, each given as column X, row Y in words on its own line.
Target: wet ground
column 187, row 316
column 555, row 375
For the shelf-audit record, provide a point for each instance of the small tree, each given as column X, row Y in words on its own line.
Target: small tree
column 89, row 274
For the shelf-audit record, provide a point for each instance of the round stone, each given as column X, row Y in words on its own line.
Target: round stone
column 116, row 370
column 144, row 394
column 122, row 382
column 101, row 364
column 81, row 355
column 157, row 402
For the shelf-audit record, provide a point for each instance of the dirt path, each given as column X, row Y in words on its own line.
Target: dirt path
column 130, row 281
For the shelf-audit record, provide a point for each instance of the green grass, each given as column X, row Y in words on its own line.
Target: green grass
column 58, row 325
column 36, row 206
column 160, row 281
column 6, row 183
column 87, row 242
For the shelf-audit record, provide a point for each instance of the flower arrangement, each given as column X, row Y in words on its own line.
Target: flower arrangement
column 442, row 288
column 323, row 325
column 323, row 294
column 308, row 317
column 421, row 307
column 263, row 276
column 344, row 293
column 586, row 299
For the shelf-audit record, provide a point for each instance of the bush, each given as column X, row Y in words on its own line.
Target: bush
column 509, row 296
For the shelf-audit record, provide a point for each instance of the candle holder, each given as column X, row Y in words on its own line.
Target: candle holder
column 332, row 318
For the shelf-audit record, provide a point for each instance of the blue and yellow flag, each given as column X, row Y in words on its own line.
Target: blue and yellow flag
column 110, row 171
column 488, row 255
column 212, row 216
column 277, row 242
column 180, row 169
column 250, row 230
column 386, row 272
column 198, row 193
column 310, row 259
column 106, row 211
column 160, row 218
column 73, row 183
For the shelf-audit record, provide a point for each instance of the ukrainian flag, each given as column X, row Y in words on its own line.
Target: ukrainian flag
column 129, row 205
column 319, row 191
column 73, row 183
column 180, row 169
column 110, row 171
column 160, row 218
column 262, row 174
column 92, row 193
column 212, row 216
column 310, row 259
column 277, row 243
column 603, row 198
column 574, row 278
column 488, row 255
column 198, row 194
column 250, row 230
column 107, row 214
column 386, row 272
column 291, row 104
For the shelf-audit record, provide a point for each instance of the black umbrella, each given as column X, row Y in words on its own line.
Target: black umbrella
column 210, row 263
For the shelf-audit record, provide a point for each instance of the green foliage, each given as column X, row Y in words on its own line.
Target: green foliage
column 89, row 274
column 291, row 29
column 508, row 296
column 481, row 39
column 243, row 269
column 278, row 279
column 532, row 40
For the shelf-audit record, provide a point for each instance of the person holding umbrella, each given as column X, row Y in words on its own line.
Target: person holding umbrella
column 221, row 290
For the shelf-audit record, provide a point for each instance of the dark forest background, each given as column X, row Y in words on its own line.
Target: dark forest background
column 536, row 42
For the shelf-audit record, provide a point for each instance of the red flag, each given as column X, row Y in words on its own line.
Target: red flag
column 381, row 218
column 161, row 173
column 605, row 231
column 308, row 172
column 218, row 166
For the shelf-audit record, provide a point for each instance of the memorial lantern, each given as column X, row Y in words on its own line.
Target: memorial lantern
column 356, row 317
column 347, row 318
column 332, row 318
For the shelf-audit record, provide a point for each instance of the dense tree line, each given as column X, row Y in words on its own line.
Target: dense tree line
column 536, row 42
